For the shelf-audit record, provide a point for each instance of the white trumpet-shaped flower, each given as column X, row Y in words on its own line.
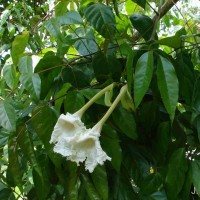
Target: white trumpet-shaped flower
column 78, row 144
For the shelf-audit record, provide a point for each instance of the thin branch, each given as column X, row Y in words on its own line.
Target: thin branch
column 165, row 8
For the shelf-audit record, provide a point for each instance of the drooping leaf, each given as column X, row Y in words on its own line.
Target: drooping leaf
column 91, row 191
column 143, row 75
column 32, row 83
column 43, row 121
column 177, row 169
column 99, row 177
column 101, row 18
column 111, row 145
column 168, row 85
column 128, row 127
column 141, row 3
column 70, row 18
column 7, row 115
column 143, row 24
column 19, row 45
column 10, row 76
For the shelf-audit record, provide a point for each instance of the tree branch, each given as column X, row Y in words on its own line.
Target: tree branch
column 165, row 8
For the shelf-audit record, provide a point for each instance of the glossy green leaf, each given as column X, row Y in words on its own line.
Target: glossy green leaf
column 143, row 24
column 73, row 102
column 101, row 18
column 43, row 121
column 32, row 83
column 19, row 45
column 70, row 18
column 111, row 145
column 13, row 157
column 4, row 16
column 196, row 175
column 99, row 177
column 128, row 127
column 177, row 169
column 7, row 194
column 143, row 75
column 10, row 76
column 25, row 65
column 7, row 115
column 168, row 85
column 89, row 186
column 141, row 3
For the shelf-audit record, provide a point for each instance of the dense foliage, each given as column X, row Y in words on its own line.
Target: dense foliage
column 56, row 55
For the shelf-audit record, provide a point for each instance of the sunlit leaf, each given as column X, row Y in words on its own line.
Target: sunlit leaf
column 19, row 45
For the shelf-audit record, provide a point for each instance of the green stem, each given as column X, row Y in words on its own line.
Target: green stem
column 94, row 98
column 99, row 125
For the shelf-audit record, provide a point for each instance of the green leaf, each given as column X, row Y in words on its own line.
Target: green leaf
column 101, row 18
column 177, row 169
column 7, row 194
column 91, row 191
column 111, row 144
column 73, row 102
column 143, row 24
column 106, row 67
column 4, row 135
column 89, row 93
column 52, row 26
column 78, row 76
column 70, row 18
column 19, row 45
column 141, row 3
column 168, row 85
column 195, row 175
column 10, row 76
column 48, row 69
column 43, row 121
column 32, row 83
column 143, row 75
column 14, row 166
column 173, row 41
column 60, row 95
column 61, row 8
column 99, row 177
column 128, row 127
column 25, row 65
column 127, row 51
column 27, row 147
column 7, row 116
